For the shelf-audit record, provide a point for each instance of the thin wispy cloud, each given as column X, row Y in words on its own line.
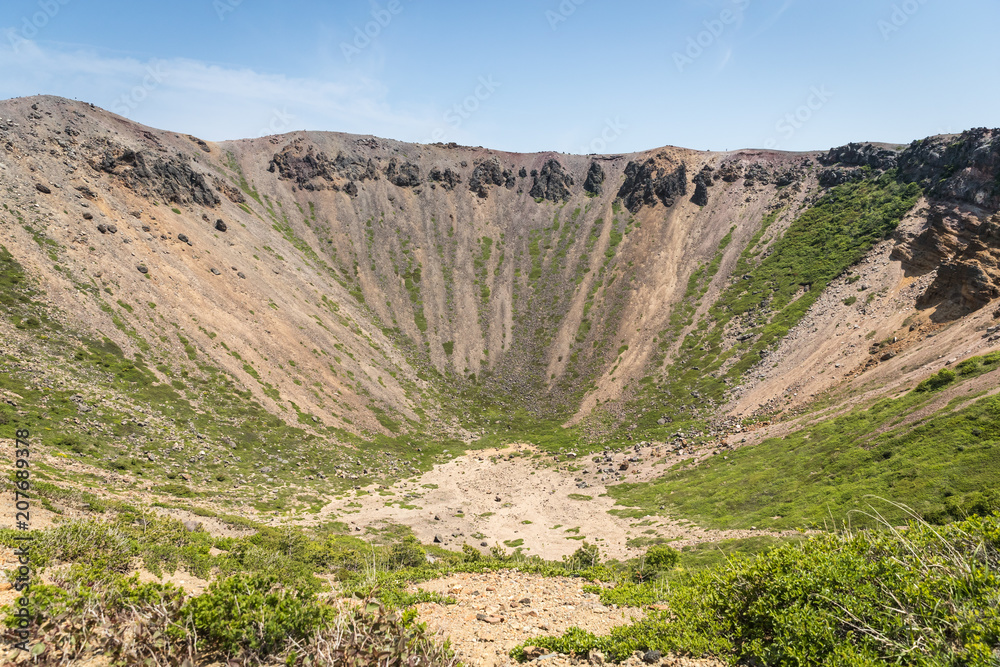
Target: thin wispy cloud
column 774, row 18
column 210, row 100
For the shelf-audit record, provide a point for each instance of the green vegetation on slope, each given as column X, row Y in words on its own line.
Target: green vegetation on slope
column 769, row 296
column 944, row 466
column 920, row 597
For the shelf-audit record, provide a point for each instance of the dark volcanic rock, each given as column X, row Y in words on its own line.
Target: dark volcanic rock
column 351, row 188
column 173, row 180
column 405, row 175
column 447, row 178
column 834, row 176
column 861, row 155
column 595, row 179
column 552, row 182
column 646, row 183
column 787, row 177
column 220, row 226
column 730, row 172
column 44, row 189
column 966, row 168
column 86, row 192
column 311, row 170
column 757, row 173
column 702, row 182
column 489, row 172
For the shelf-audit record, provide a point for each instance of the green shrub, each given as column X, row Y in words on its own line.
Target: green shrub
column 587, row 556
column 253, row 615
column 940, row 379
column 408, row 553
column 661, row 557
column 93, row 543
column 920, row 597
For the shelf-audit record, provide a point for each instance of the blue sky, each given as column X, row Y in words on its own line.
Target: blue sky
column 576, row 76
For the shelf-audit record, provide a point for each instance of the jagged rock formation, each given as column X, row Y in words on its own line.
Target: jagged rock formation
column 861, row 155
column 963, row 168
column 173, row 180
column 964, row 250
column 552, row 182
column 595, row 179
column 489, row 172
column 405, row 175
column 730, row 171
column 702, row 182
column 647, row 182
column 447, row 179
column 312, row 170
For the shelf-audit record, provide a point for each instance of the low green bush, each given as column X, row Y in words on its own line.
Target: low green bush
column 921, row 596
column 253, row 615
column 937, row 381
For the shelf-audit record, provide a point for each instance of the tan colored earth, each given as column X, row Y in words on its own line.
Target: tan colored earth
column 516, row 494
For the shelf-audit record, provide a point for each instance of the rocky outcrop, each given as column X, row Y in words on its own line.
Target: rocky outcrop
column 966, row 168
column 552, row 183
column 490, row 172
column 965, row 251
column 835, row 176
column 232, row 192
column 646, row 183
column 702, row 182
column 595, row 180
column 861, row 155
column 171, row 180
column 305, row 168
column 403, row 175
column 311, row 170
column 757, row 174
column 730, row 172
column 447, row 179
column 855, row 162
